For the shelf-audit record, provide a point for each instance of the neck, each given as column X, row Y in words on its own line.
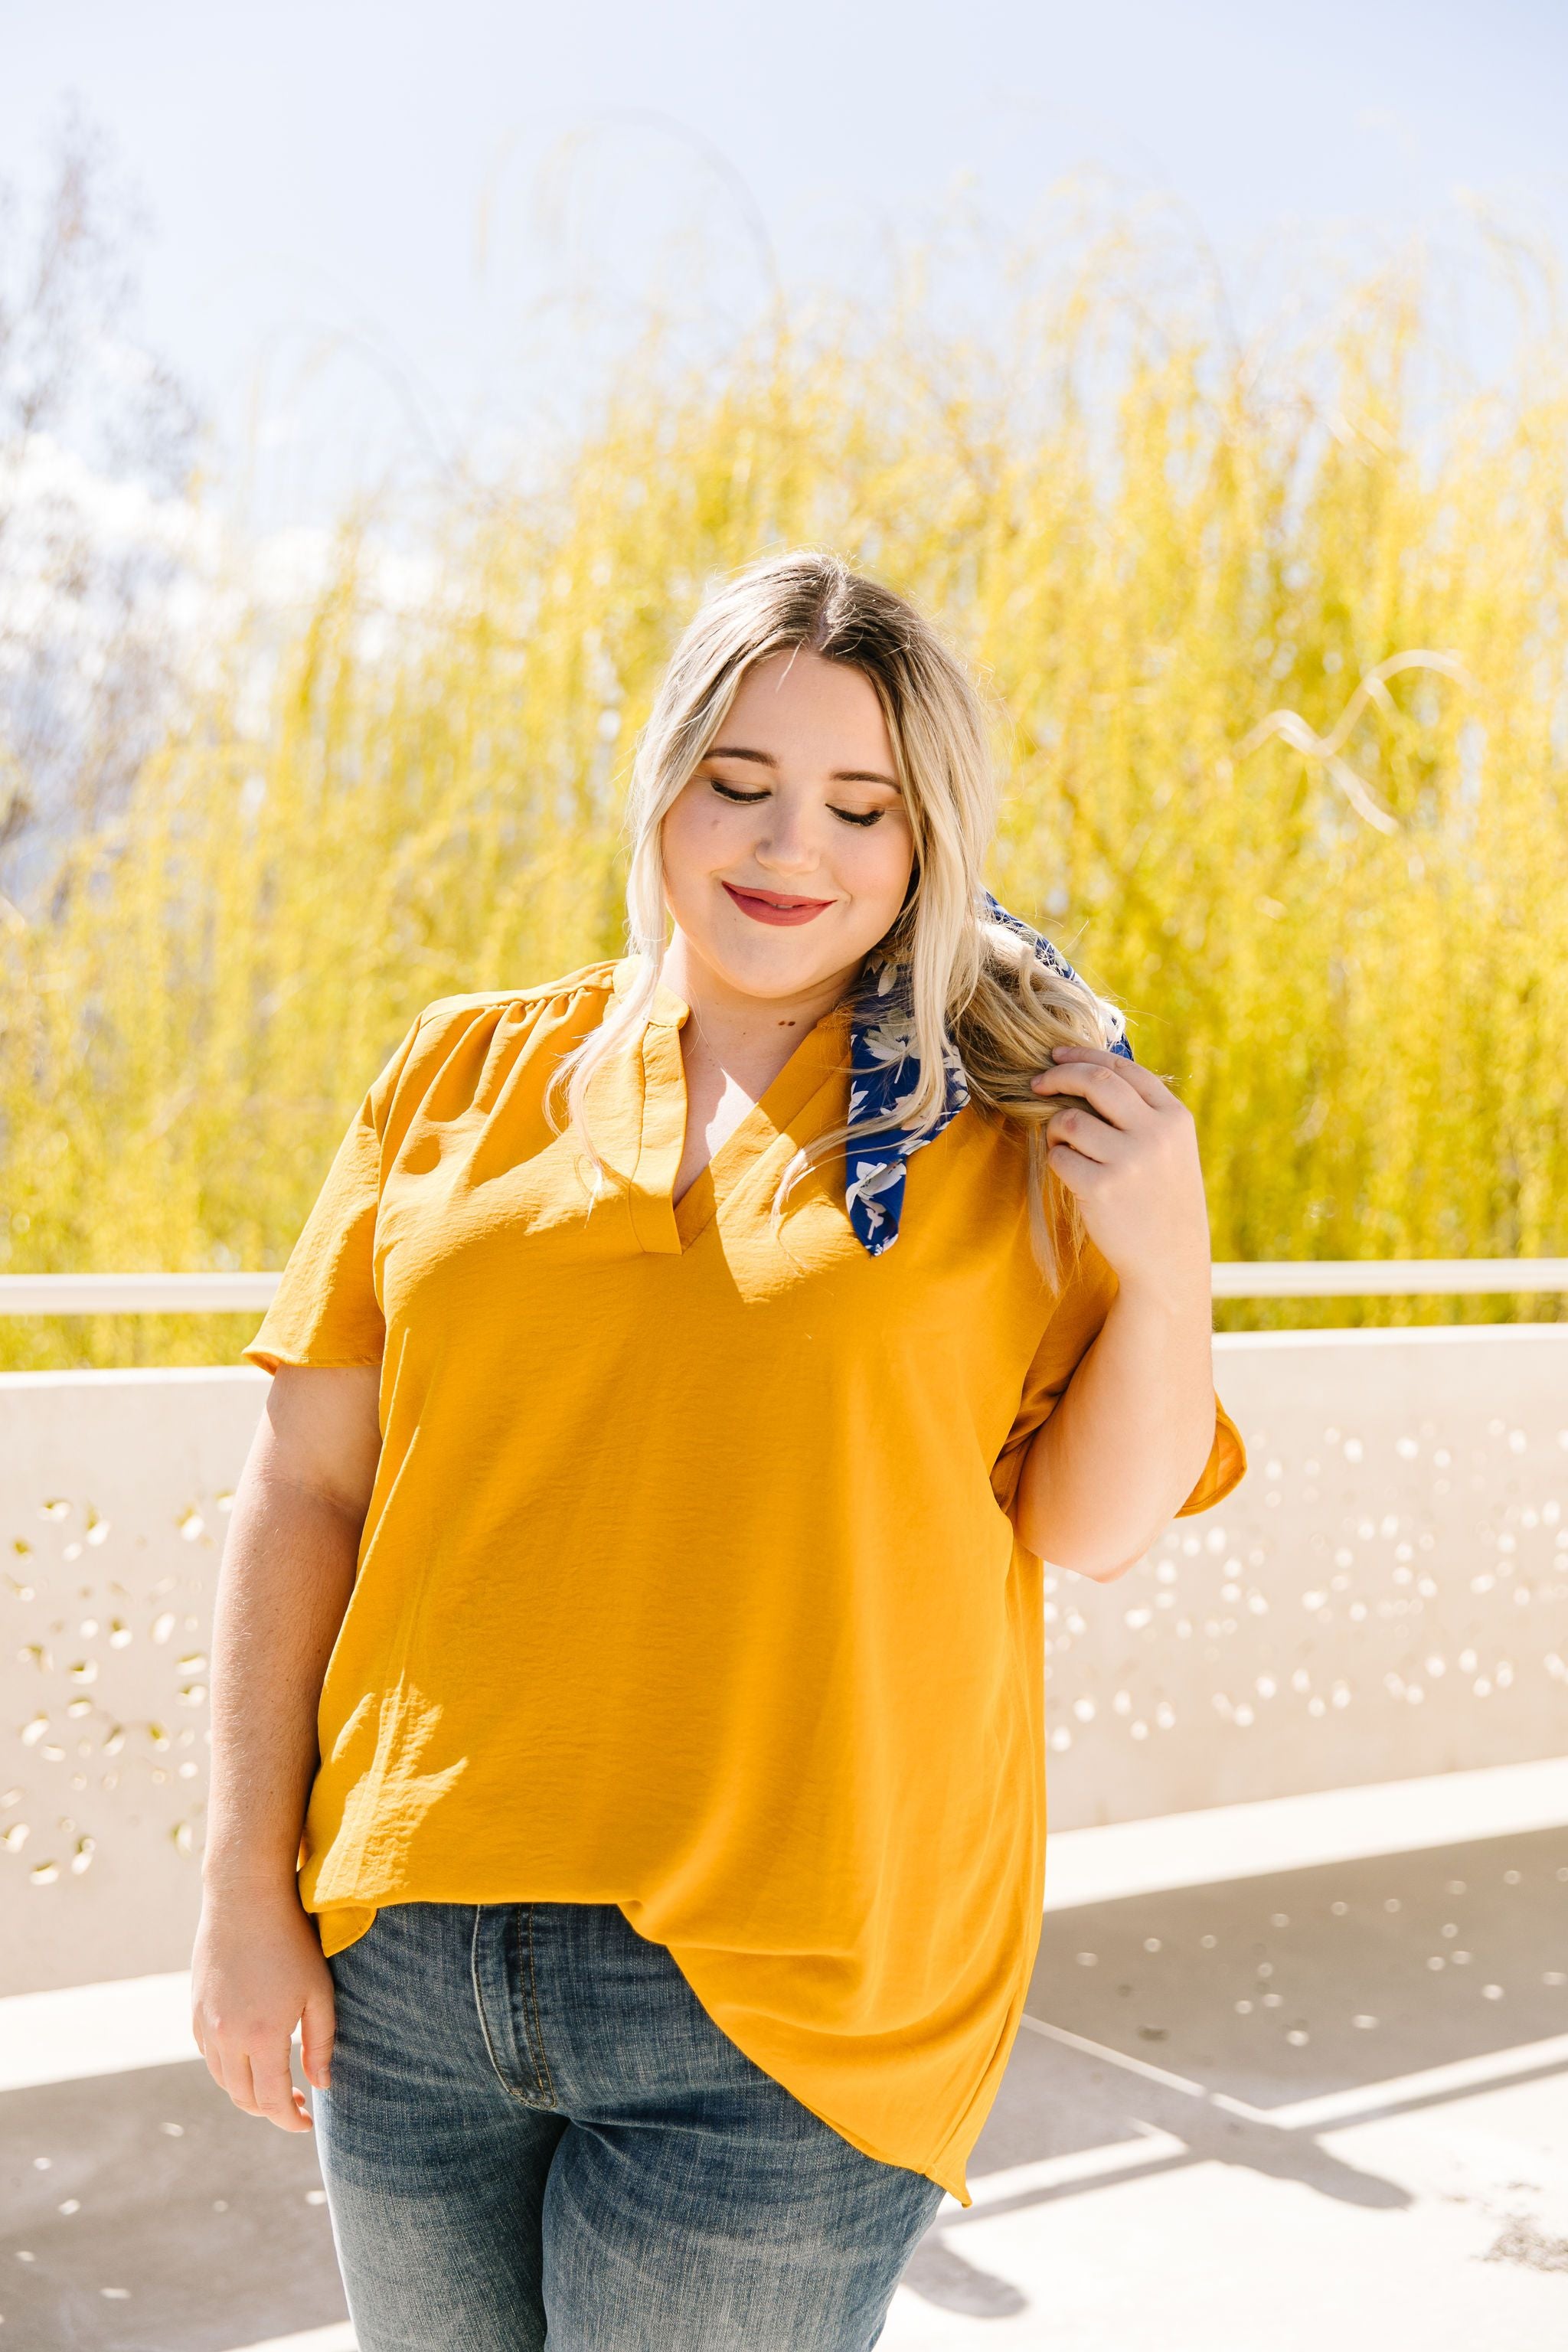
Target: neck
column 736, row 1028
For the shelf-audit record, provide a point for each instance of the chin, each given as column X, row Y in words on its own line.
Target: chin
column 768, row 968
column 767, row 976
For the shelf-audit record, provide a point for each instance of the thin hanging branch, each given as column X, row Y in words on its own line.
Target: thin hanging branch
column 1292, row 729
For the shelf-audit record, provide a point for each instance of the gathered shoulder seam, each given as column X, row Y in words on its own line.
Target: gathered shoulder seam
column 573, row 984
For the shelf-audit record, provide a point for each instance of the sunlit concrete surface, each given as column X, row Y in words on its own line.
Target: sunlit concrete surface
column 142, row 2212
column 1327, row 2108
column 1322, row 2107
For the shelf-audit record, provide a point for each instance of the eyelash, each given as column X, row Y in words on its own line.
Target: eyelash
column 750, row 800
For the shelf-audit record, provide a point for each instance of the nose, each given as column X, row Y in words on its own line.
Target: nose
column 788, row 845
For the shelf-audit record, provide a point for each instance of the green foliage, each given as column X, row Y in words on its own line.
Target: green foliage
column 1351, row 967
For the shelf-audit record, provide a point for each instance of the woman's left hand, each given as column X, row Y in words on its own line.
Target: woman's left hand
column 1132, row 1161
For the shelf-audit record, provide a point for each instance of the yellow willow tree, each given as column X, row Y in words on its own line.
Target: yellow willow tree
column 1278, row 658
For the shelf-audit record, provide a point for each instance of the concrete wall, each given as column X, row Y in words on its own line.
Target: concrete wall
column 1384, row 1596
column 113, row 1490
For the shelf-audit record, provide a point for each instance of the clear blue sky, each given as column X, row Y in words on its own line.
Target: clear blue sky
column 323, row 171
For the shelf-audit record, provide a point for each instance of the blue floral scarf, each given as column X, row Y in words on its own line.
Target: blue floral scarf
column 885, row 1071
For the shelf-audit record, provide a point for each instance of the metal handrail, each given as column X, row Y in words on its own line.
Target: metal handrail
column 134, row 1294
column 1359, row 1277
column 221, row 1294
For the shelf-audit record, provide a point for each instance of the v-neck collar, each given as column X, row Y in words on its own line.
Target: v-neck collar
column 662, row 1226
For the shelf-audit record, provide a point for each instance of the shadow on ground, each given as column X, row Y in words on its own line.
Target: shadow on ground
column 1158, row 2017
column 142, row 2213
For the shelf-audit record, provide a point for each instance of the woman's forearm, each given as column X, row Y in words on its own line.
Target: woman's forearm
column 287, row 1572
column 1128, row 1439
column 258, row 1970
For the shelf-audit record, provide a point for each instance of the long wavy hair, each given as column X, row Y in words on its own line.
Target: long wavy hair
column 971, row 980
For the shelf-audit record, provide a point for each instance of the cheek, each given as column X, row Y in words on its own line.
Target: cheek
column 879, row 865
column 695, row 839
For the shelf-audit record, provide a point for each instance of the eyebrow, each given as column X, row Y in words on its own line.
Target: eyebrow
column 840, row 775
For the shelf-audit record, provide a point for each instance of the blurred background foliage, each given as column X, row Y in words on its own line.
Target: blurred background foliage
column 1276, row 637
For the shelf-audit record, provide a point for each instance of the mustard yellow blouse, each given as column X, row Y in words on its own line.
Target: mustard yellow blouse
column 687, row 1582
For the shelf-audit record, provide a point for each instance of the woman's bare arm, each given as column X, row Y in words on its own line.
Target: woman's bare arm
column 1128, row 1440
column 1130, row 1436
column 287, row 1570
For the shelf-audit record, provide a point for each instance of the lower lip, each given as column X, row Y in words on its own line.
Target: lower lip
column 762, row 911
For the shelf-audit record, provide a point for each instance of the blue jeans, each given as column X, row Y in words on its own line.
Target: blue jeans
column 534, row 2129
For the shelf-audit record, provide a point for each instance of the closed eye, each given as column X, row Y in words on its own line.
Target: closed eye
column 861, row 817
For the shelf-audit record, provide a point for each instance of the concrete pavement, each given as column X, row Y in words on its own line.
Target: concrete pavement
column 1315, row 2110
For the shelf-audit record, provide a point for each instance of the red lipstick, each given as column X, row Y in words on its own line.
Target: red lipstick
column 776, row 905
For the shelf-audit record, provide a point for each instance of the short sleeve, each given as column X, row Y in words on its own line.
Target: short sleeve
column 1074, row 1326
column 1225, row 1469
column 1075, row 1322
column 325, row 1311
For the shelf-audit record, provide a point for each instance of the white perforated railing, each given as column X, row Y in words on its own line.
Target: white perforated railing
column 219, row 1294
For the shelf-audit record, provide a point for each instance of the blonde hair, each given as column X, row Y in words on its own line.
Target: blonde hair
column 971, row 978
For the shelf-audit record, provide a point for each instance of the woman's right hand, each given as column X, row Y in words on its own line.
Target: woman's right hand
column 257, row 1973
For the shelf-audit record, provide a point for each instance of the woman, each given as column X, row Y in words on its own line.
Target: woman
column 635, row 1588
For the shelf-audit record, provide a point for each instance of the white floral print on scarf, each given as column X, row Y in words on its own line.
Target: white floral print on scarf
column 885, row 1076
